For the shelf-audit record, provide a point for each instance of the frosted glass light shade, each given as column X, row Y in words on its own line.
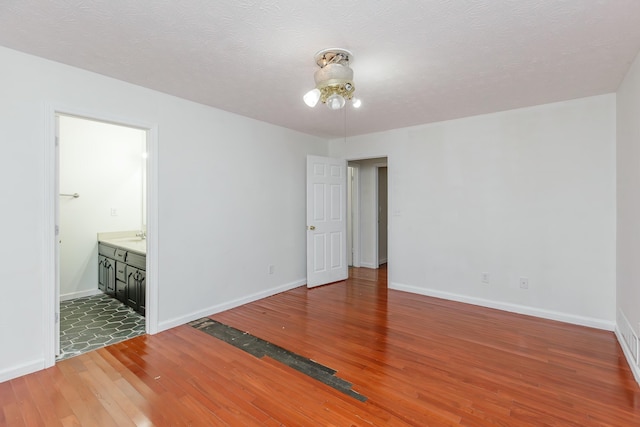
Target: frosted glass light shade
column 333, row 72
column 356, row 102
column 335, row 102
column 311, row 98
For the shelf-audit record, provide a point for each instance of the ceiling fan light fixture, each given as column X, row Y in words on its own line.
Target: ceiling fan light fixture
column 356, row 102
column 334, row 79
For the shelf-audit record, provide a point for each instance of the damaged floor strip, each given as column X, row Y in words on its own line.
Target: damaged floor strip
column 260, row 348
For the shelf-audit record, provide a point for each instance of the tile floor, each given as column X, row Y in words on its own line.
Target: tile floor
column 92, row 322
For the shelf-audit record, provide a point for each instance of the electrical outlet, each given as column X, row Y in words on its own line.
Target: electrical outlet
column 485, row 278
column 114, row 212
column 524, row 283
column 272, row 268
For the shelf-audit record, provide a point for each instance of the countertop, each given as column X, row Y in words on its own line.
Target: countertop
column 126, row 240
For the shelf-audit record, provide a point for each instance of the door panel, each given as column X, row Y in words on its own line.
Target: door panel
column 326, row 220
column 319, row 243
column 336, row 249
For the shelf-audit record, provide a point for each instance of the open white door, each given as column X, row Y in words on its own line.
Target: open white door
column 57, row 242
column 326, row 220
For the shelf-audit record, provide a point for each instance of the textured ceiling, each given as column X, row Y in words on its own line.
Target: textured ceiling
column 414, row 61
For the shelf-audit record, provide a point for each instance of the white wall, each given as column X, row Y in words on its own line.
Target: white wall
column 628, row 213
column 103, row 163
column 230, row 195
column 522, row 193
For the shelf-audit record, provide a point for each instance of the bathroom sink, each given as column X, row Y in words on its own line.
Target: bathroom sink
column 125, row 240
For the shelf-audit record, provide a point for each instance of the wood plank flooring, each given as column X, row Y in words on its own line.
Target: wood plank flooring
column 420, row 361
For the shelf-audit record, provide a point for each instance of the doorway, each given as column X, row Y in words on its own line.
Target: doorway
column 368, row 212
column 102, row 181
column 80, row 282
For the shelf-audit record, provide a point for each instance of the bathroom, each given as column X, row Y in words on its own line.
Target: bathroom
column 102, row 189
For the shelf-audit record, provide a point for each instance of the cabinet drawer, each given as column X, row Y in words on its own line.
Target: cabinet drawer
column 121, row 255
column 121, row 291
column 121, row 271
column 108, row 251
column 138, row 261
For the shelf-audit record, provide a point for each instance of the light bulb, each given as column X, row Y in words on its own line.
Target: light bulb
column 335, row 102
column 311, row 98
column 356, row 102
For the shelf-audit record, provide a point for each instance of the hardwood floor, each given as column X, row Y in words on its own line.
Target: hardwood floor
column 419, row 361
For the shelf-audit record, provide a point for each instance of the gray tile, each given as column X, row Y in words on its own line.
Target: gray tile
column 90, row 323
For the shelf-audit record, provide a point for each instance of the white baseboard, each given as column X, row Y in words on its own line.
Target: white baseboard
column 177, row 321
column 382, row 261
column 635, row 369
column 80, row 294
column 505, row 306
column 368, row 265
column 629, row 342
column 20, row 370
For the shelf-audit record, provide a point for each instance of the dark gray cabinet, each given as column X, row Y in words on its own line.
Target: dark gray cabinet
column 106, row 275
column 121, row 281
column 102, row 278
column 136, row 292
column 107, row 269
column 136, row 281
column 122, row 274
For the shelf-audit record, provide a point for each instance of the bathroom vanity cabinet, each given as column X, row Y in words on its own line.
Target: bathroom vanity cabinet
column 122, row 275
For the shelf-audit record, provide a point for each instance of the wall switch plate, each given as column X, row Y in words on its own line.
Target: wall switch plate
column 114, row 212
column 272, row 268
column 524, row 283
column 484, row 277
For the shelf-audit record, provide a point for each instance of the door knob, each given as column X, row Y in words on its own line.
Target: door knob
column 312, row 227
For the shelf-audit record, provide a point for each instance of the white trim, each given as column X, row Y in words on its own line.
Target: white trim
column 22, row 369
column 510, row 307
column 376, row 214
column 50, row 111
column 355, row 215
column 177, row 321
column 635, row 369
column 629, row 343
column 390, row 221
column 153, row 233
column 80, row 294
column 357, row 229
column 357, row 262
column 368, row 265
column 628, row 335
column 376, row 192
column 49, row 268
column 355, row 207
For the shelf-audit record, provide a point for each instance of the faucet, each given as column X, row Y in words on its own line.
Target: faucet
column 141, row 234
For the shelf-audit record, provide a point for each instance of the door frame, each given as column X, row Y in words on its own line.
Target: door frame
column 51, row 174
column 384, row 162
column 354, row 216
column 377, row 196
